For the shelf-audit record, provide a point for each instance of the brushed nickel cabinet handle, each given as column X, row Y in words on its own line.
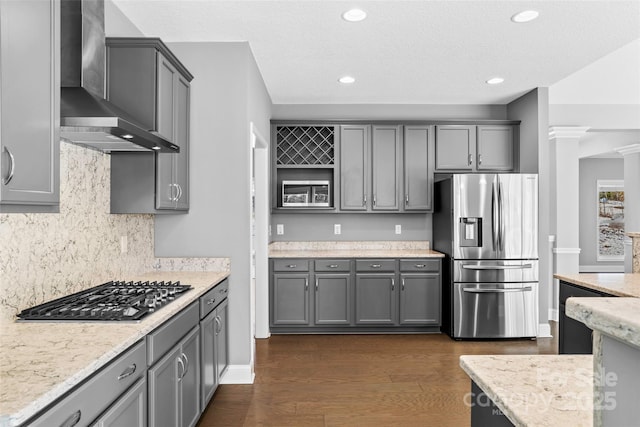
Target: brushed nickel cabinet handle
column 393, row 284
column 12, row 167
column 364, row 203
column 316, row 284
column 470, row 159
column 127, row 372
column 407, row 199
column 479, row 159
column 181, row 363
column 291, row 266
column 376, row 265
column 333, row 266
column 186, row 363
column 375, row 200
column 306, row 284
column 403, row 284
column 420, row 266
column 179, row 188
column 73, row 419
column 211, row 301
column 218, row 324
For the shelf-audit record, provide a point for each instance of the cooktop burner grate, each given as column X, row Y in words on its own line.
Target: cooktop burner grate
column 111, row 301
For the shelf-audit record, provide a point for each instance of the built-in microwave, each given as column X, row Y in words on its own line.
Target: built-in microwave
column 306, row 194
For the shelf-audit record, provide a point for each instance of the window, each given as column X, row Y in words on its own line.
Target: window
column 610, row 220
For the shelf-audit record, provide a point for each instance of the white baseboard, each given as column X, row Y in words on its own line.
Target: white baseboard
column 544, row 330
column 553, row 314
column 602, row 268
column 238, row 374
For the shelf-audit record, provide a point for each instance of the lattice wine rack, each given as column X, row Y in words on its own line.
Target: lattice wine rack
column 305, row 145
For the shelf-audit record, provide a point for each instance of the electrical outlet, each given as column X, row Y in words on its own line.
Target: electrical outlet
column 123, row 245
column 337, row 229
column 279, row 229
column 270, row 230
column 398, row 229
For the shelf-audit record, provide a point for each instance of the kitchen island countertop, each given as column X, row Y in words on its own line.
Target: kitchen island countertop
column 536, row 390
column 41, row 361
column 617, row 284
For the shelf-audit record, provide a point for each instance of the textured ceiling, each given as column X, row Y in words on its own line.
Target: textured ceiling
column 405, row 52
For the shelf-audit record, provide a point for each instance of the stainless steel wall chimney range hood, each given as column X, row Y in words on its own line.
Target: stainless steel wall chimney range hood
column 86, row 118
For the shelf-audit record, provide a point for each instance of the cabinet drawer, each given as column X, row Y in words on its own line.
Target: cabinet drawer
column 342, row 265
column 93, row 397
column 213, row 297
column 568, row 290
column 290, row 265
column 172, row 331
column 431, row 265
column 372, row 265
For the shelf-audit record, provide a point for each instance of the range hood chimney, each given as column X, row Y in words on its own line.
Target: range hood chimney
column 86, row 118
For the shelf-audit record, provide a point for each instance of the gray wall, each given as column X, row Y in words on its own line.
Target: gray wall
column 532, row 109
column 319, row 227
column 387, row 111
column 591, row 170
column 226, row 94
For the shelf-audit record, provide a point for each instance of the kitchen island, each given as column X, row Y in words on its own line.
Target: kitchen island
column 42, row 361
column 569, row 389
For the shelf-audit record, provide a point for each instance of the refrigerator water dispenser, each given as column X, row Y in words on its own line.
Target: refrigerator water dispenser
column 470, row 232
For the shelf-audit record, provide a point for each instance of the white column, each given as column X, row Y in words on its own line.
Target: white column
column 564, row 142
column 631, row 154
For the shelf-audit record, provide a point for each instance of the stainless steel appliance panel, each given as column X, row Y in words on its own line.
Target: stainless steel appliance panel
column 495, row 216
column 497, row 271
column 495, row 310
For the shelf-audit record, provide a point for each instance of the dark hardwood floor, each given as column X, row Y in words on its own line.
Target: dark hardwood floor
column 358, row 380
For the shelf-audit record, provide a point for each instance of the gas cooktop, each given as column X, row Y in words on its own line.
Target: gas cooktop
column 111, row 301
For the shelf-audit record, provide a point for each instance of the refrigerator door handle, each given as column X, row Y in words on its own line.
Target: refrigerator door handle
column 494, row 217
column 496, row 267
column 500, row 215
column 497, row 291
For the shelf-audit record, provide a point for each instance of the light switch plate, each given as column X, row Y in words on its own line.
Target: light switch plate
column 337, row 229
column 279, row 229
column 398, row 229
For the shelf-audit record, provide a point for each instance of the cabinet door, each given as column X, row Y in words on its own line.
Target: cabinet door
column 376, row 299
column 333, row 299
column 208, row 377
column 190, row 381
column 181, row 165
column 164, row 397
column 385, row 167
column 420, row 299
column 290, row 299
column 495, row 148
column 222, row 356
column 418, row 169
column 354, row 167
column 128, row 410
column 167, row 75
column 29, row 102
column 455, row 147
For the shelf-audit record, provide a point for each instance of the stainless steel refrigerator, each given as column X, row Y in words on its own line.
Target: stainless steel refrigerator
column 487, row 227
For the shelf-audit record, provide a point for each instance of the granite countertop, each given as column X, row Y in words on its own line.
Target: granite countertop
column 41, row 361
column 617, row 284
column 617, row 317
column 537, row 390
column 399, row 249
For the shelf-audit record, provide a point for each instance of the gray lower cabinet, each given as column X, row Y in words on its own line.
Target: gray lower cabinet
column 130, row 410
column 418, row 168
column 376, row 299
column 214, row 352
column 419, row 299
column 221, row 338
column 174, row 385
column 112, row 393
column 340, row 295
column 333, row 299
column 290, row 299
column 475, row 148
column 29, row 106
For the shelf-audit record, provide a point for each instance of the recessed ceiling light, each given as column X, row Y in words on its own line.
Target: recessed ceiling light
column 127, row 136
column 495, row 80
column 525, row 16
column 155, row 147
column 346, row 80
column 354, row 15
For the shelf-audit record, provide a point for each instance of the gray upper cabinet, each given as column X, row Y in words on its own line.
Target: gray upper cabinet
column 370, row 161
column 471, row 148
column 386, row 161
column 418, row 168
column 455, row 147
column 495, row 148
column 354, row 167
column 29, row 106
column 150, row 182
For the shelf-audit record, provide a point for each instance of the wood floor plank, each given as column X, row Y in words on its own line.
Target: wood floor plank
column 358, row 380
